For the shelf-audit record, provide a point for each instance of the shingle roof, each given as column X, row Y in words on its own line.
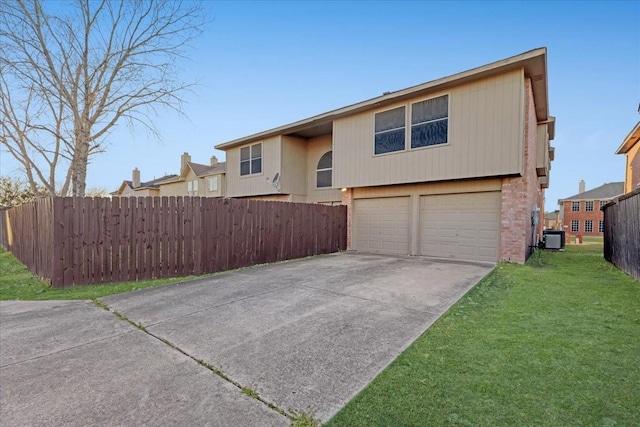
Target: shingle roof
column 604, row 192
column 202, row 170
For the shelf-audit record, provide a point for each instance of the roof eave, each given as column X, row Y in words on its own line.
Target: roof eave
column 631, row 140
column 534, row 63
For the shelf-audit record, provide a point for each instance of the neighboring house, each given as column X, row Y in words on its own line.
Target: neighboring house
column 581, row 213
column 630, row 147
column 452, row 168
column 552, row 220
column 196, row 179
column 135, row 188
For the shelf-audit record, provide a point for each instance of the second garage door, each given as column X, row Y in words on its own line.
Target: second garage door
column 381, row 225
column 461, row 226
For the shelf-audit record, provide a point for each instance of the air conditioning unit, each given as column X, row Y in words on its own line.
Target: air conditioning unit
column 553, row 239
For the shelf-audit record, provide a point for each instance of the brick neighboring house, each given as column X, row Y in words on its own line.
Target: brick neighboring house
column 453, row 168
column 630, row 147
column 581, row 214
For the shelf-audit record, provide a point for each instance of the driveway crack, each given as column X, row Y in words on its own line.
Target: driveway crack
column 243, row 389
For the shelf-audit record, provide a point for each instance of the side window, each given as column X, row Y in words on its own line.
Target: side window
column 213, row 184
column 324, row 170
column 430, row 122
column 389, row 131
column 251, row 159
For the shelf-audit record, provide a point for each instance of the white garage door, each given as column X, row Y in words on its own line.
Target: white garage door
column 381, row 225
column 461, row 226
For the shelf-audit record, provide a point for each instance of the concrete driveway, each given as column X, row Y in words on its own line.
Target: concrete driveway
column 303, row 334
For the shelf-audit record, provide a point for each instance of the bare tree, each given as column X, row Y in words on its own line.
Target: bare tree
column 70, row 72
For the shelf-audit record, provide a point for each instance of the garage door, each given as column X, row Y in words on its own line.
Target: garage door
column 461, row 226
column 381, row 225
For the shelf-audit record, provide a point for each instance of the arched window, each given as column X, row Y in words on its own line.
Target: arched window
column 323, row 172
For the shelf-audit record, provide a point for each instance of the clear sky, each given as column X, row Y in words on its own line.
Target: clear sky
column 265, row 64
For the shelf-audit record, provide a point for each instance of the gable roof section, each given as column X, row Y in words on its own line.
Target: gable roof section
column 201, row 170
column 534, row 63
column 631, row 140
column 154, row 183
column 604, row 192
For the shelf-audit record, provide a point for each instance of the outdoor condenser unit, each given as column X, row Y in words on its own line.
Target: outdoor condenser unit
column 553, row 239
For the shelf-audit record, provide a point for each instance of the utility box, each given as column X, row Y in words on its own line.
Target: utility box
column 553, row 239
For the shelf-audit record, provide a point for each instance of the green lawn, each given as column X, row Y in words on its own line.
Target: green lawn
column 17, row 283
column 555, row 342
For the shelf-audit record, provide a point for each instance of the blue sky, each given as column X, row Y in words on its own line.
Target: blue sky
column 265, row 64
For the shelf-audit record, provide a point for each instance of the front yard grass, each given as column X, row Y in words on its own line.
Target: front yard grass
column 17, row 283
column 555, row 342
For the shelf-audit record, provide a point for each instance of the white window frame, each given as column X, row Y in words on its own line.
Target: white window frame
column 404, row 128
column 408, row 108
column 588, row 206
column 212, row 184
column 330, row 169
column 575, row 206
column 588, row 222
column 575, row 225
column 192, row 188
column 252, row 159
column 601, row 226
column 411, row 125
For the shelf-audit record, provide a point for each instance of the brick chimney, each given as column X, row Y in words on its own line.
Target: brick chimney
column 135, row 178
column 581, row 186
column 184, row 159
column 214, row 160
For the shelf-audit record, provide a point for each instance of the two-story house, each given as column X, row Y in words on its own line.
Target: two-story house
column 452, row 168
column 196, row 179
column 136, row 188
column 581, row 213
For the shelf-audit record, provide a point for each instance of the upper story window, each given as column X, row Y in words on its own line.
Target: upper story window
column 602, row 203
column 323, row 172
column 588, row 206
column 575, row 206
column 389, row 131
column 251, row 159
column 430, row 122
column 212, row 184
column 192, row 187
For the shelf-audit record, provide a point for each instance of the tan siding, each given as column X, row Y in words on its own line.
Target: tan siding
column 485, row 139
column 316, row 148
column 542, row 150
column 178, row 188
column 467, row 186
column 238, row 186
column 293, row 176
column 219, row 192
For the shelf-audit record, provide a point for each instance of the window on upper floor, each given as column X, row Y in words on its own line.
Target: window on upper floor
column 324, row 170
column 575, row 225
column 192, row 187
column 588, row 206
column 588, row 226
column 251, row 159
column 601, row 226
column 389, row 131
column 212, row 184
column 602, row 203
column 575, row 206
column 430, row 122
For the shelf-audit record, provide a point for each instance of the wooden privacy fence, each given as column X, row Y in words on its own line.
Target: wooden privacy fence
column 72, row 241
column 622, row 233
